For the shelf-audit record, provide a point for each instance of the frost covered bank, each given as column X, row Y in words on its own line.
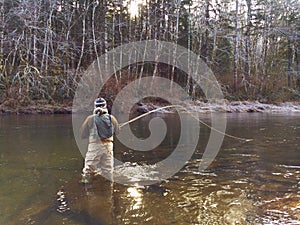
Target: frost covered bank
column 229, row 107
column 10, row 107
column 245, row 106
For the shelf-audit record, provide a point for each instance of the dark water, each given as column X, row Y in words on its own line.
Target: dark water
column 254, row 182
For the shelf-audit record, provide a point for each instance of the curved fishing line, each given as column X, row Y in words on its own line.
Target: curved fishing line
column 199, row 120
column 145, row 114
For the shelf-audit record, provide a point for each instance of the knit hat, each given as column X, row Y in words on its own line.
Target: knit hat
column 100, row 102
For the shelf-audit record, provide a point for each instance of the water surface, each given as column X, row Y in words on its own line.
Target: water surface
column 254, row 182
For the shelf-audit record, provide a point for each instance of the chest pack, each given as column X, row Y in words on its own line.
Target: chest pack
column 105, row 127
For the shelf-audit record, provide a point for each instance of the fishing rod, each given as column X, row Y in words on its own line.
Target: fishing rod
column 196, row 118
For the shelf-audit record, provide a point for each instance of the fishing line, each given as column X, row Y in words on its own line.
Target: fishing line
column 196, row 118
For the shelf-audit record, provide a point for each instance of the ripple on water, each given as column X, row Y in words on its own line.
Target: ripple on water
column 281, row 210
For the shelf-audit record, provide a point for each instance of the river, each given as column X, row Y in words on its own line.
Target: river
column 255, row 182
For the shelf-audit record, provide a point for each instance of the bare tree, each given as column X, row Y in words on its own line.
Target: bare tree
column 236, row 47
column 247, row 45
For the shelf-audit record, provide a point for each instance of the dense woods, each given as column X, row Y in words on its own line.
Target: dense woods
column 251, row 45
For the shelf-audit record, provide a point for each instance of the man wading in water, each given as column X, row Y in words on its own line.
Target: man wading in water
column 99, row 128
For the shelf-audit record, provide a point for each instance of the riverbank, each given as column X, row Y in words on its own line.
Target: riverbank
column 228, row 107
column 38, row 107
column 246, row 107
column 10, row 107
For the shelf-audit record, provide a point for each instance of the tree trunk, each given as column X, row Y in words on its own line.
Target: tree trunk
column 3, row 79
column 2, row 27
column 265, row 49
column 105, row 34
column 247, row 45
column 85, row 8
column 236, row 39
column 206, row 41
column 290, row 58
column 177, row 8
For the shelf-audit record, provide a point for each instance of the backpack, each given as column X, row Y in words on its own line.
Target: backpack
column 105, row 127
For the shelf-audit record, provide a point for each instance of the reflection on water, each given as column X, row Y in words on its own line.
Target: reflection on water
column 255, row 182
column 136, row 196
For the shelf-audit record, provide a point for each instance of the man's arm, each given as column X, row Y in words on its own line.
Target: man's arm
column 116, row 124
column 85, row 127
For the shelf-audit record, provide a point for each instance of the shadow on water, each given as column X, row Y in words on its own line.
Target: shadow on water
column 85, row 205
column 256, row 182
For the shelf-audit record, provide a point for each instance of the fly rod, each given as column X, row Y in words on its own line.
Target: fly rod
column 196, row 118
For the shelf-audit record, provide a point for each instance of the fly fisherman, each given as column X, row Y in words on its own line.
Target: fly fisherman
column 99, row 128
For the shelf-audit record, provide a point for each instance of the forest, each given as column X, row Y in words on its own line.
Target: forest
column 252, row 46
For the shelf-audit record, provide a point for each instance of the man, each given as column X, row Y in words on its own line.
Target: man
column 99, row 129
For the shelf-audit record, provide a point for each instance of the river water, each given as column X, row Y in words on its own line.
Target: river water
column 255, row 182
